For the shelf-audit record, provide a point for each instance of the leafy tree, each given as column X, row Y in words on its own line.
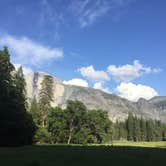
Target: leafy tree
column 75, row 113
column 77, row 125
column 57, row 125
column 99, row 125
column 42, row 135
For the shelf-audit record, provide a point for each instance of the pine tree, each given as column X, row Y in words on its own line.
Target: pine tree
column 136, row 131
column 16, row 125
column 143, row 129
column 130, row 127
column 45, row 98
column 149, row 130
column 34, row 110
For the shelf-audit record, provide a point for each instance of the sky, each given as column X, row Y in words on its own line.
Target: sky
column 117, row 46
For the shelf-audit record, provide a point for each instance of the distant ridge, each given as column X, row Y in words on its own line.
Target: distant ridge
column 116, row 106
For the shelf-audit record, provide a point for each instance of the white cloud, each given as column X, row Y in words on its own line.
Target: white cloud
column 26, row 70
column 50, row 14
column 88, row 12
column 77, row 82
column 28, row 52
column 128, row 72
column 133, row 92
column 99, row 85
column 92, row 74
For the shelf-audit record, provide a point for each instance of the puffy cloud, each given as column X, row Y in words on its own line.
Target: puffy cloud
column 99, row 85
column 128, row 72
column 77, row 82
column 133, row 92
column 92, row 74
column 28, row 52
column 26, row 70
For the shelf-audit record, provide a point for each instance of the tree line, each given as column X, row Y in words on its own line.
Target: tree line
column 139, row 129
column 77, row 124
column 74, row 124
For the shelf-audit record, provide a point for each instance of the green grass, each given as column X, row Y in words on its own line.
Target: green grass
column 140, row 144
column 60, row 155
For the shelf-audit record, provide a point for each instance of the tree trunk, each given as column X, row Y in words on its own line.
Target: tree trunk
column 43, row 122
column 70, row 133
column 69, row 138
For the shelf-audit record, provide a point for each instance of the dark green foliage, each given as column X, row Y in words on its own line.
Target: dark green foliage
column 57, row 125
column 119, row 131
column 16, row 125
column 42, row 136
column 135, row 129
column 45, row 98
column 99, row 125
column 75, row 113
column 35, row 111
column 77, row 125
column 143, row 129
column 130, row 126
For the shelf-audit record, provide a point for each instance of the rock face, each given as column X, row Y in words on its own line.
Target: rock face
column 116, row 106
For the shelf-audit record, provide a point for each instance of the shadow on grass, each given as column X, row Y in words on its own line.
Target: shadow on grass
column 61, row 155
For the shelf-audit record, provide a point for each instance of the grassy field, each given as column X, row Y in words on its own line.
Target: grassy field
column 140, row 144
column 60, row 155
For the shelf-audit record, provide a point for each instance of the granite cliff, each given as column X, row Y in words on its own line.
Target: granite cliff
column 116, row 106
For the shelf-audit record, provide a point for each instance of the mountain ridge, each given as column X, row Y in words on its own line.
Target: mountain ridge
column 117, row 107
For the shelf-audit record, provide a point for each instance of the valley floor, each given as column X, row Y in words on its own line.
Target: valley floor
column 121, row 154
column 161, row 144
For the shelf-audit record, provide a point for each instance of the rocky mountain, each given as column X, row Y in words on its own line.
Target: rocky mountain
column 116, row 106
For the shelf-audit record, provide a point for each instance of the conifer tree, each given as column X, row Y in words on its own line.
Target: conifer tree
column 130, row 126
column 45, row 98
column 16, row 125
column 136, row 130
column 34, row 110
column 143, row 129
column 149, row 130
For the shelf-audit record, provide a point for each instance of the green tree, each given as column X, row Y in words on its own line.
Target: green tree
column 75, row 113
column 136, row 130
column 45, row 98
column 16, row 125
column 67, row 125
column 130, row 126
column 77, row 125
column 99, row 125
column 143, row 129
column 57, row 125
column 34, row 110
column 43, row 136
column 149, row 130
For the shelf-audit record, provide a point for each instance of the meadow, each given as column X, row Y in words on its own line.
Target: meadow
column 120, row 154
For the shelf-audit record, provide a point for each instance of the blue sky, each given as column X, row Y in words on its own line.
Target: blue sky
column 118, row 46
